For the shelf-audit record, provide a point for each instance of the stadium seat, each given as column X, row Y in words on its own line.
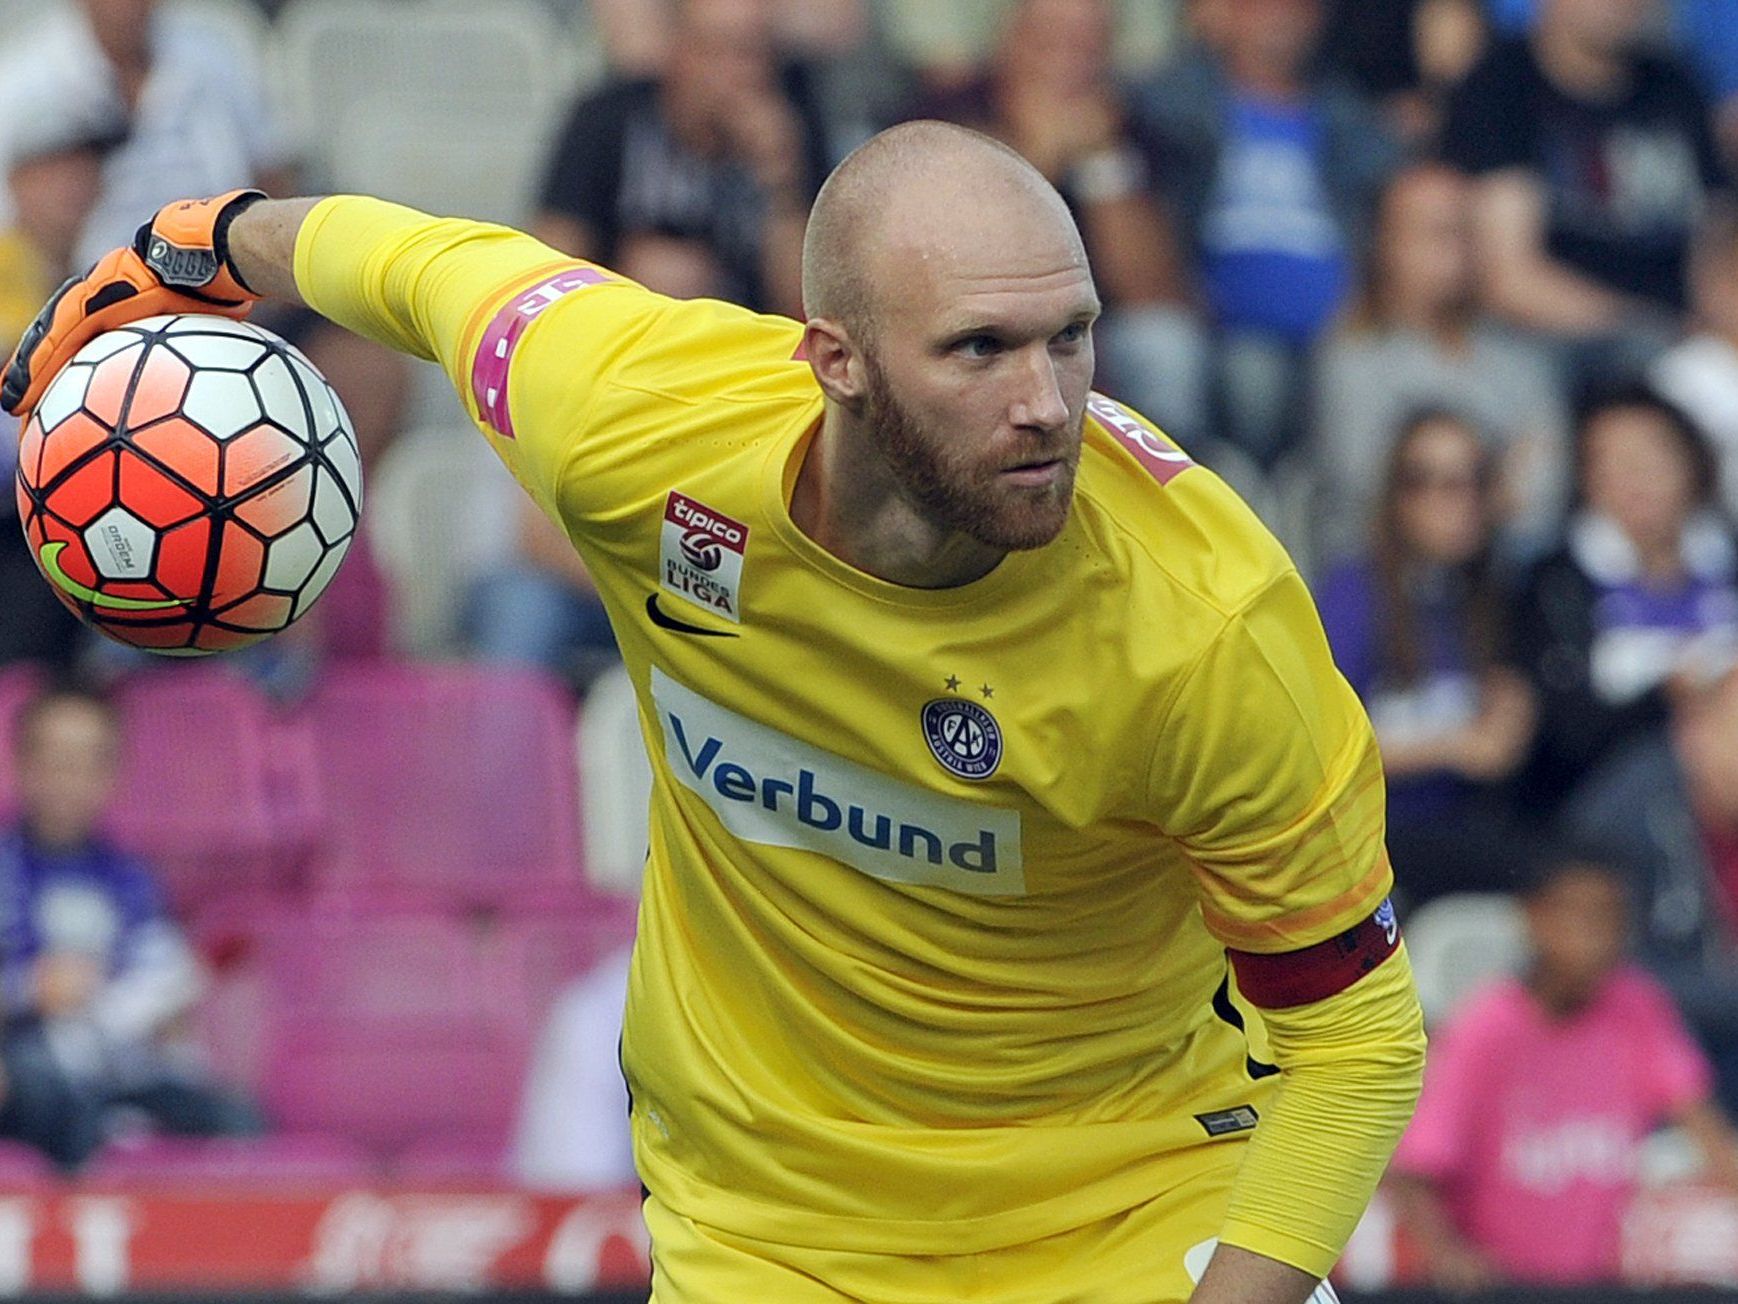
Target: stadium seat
column 345, row 900
column 615, row 783
column 387, row 1089
column 231, row 1026
column 385, row 1030
column 441, row 510
column 385, row 970
column 454, row 779
column 232, row 1022
column 277, row 1160
column 533, row 957
column 293, row 794
column 197, row 783
column 226, row 927
column 1460, row 943
column 446, row 106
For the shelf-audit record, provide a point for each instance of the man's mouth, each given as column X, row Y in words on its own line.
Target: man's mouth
column 1041, row 472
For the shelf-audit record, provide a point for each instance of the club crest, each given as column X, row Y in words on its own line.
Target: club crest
column 963, row 736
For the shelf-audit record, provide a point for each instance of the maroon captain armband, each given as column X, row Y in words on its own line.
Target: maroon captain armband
column 1275, row 982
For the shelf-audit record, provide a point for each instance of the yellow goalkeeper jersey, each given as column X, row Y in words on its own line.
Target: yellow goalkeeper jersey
column 932, row 945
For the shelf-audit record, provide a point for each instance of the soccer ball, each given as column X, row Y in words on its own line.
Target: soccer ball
column 189, row 484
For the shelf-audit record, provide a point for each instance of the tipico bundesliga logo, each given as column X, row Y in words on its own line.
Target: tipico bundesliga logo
column 963, row 736
column 700, row 556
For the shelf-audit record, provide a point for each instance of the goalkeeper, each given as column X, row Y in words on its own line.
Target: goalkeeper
column 1015, row 919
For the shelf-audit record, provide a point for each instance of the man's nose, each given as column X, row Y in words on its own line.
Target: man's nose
column 1041, row 405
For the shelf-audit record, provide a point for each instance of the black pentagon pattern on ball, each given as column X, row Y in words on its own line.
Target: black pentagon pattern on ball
column 196, row 347
column 314, row 454
column 336, row 453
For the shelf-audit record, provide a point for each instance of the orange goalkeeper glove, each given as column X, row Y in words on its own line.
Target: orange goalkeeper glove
column 178, row 262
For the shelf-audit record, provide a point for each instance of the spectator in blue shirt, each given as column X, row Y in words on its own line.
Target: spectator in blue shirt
column 93, row 973
column 1273, row 173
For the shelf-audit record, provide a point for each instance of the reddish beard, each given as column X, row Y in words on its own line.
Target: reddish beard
column 958, row 495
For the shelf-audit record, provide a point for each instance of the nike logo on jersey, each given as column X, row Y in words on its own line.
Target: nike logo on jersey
column 665, row 621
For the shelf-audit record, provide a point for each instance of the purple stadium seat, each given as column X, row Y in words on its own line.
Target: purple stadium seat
column 232, row 1025
column 536, row 956
column 342, row 900
column 385, row 1029
column 196, row 782
column 233, row 1019
column 226, row 927
column 458, row 779
column 376, row 969
column 289, row 1158
column 293, row 792
column 389, row 1088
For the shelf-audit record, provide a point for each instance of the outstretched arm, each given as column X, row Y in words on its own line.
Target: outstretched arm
column 398, row 276
column 471, row 296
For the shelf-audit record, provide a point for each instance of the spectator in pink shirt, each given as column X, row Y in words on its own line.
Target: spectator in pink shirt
column 1521, row 1160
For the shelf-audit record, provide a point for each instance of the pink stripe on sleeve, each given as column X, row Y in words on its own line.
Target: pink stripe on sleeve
column 494, row 356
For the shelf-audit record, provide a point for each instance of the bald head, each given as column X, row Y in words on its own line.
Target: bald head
column 922, row 194
column 950, row 312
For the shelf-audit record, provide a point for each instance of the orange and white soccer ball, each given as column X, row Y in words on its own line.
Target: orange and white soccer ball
column 189, row 484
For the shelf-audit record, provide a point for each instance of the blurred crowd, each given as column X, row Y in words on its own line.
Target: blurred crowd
column 1448, row 288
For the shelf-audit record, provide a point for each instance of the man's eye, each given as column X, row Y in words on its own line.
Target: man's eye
column 1073, row 334
column 979, row 346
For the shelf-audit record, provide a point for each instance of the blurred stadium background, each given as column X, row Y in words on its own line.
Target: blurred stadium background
column 1390, row 266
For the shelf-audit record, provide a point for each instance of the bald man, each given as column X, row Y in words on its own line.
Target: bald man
column 1015, row 921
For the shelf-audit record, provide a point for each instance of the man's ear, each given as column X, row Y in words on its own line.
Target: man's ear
column 836, row 360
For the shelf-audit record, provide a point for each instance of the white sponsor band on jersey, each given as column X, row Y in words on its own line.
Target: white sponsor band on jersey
column 769, row 788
